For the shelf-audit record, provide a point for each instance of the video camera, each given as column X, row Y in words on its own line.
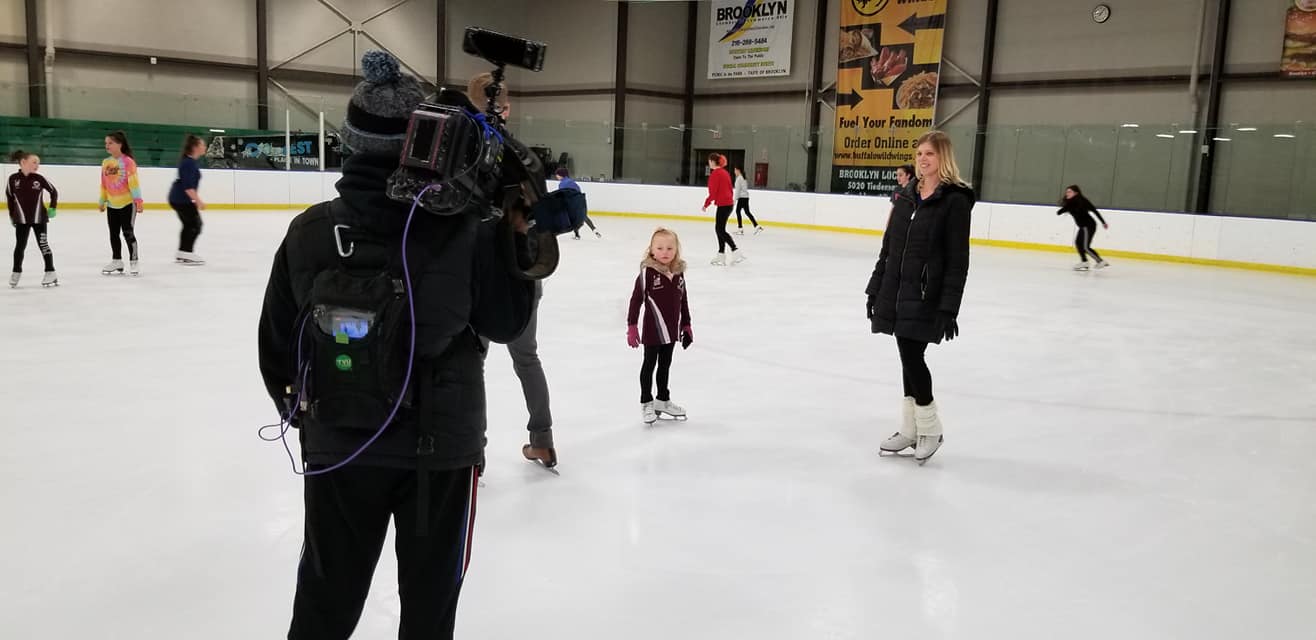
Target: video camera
column 455, row 155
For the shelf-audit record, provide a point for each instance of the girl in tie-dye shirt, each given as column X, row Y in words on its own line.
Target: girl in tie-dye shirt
column 121, row 199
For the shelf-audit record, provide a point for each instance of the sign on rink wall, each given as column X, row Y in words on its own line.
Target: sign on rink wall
column 887, row 78
column 750, row 38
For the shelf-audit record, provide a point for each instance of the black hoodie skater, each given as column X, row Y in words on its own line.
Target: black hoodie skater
column 1079, row 207
column 920, row 273
column 461, row 287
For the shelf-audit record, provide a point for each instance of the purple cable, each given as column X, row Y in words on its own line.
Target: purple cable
column 411, row 360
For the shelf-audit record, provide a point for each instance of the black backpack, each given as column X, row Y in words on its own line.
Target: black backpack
column 355, row 337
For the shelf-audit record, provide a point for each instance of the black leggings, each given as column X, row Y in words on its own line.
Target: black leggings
column 918, row 380
column 121, row 222
column 1083, row 242
column 660, row 355
column 20, row 245
column 723, row 237
column 190, row 216
column 742, row 204
column 591, row 226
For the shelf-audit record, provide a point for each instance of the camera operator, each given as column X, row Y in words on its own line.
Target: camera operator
column 456, row 278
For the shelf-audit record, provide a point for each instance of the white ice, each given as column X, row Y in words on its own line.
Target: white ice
column 1128, row 454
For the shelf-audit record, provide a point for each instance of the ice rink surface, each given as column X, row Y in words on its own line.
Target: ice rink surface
column 1128, row 454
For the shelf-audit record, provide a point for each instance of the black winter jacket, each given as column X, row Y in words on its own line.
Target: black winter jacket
column 919, row 277
column 461, row 285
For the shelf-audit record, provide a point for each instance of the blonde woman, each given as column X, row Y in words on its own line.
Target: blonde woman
column 660, row 290
column 918, row 282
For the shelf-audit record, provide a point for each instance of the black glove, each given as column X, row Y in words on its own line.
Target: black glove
column 687, row 337
column 872, row 304
column 948, row 325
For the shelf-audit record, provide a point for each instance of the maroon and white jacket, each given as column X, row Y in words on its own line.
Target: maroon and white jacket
column 666, row 306
column 23, row 193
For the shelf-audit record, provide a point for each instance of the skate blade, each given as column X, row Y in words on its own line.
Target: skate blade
column 47, row 286
column 666, row 417
column 923, row 461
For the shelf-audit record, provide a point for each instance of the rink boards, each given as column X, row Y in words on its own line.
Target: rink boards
column 1264, row 244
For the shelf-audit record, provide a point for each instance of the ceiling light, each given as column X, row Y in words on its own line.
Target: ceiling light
column 1129, row 125
column 1247, row 129
column 1284, row 135
column 1165, row 135
column 1187, row 131
column 217, row 131
column 1221, row 139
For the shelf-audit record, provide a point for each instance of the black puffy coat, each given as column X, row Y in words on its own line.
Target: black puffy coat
column 461, row 285
column 918, row 281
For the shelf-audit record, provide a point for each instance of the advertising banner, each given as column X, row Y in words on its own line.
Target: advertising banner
column 889, row 66
column 750, row 38
column 266, row 152
column 1300, row 41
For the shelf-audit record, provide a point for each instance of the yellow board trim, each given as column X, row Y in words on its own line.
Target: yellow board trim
column 1009, row 244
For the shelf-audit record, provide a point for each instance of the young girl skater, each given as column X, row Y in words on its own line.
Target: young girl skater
column 1077, row 205
column 123, row 197
column 660, row 288
column 23, row 192
column 742, row 204
column 186, row 201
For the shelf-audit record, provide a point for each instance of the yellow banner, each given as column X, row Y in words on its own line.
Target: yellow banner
column 886, row 88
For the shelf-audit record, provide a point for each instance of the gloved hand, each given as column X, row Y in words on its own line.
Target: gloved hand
column 872, row 304
column 687, row 337
column 50, row 212
column 949, row 326
column 633, row 336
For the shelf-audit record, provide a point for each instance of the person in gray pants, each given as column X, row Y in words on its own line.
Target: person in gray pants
column 534, row 385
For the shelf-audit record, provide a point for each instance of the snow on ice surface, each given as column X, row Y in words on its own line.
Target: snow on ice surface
column 1127, row 454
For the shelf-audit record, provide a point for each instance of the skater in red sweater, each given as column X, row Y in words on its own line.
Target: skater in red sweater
column 720, row 194
column 660, row 289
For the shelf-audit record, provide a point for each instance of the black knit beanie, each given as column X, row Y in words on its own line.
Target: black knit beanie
column 381, row 106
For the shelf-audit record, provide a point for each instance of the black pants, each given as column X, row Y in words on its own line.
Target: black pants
column 190, row 216
column 918, row 380
column 21, row 233
column 660, row 355
column 742, row 204
column 347, row 513
column 723, row 237
column 591, row 226
column 1083, row 242
column 121, row 222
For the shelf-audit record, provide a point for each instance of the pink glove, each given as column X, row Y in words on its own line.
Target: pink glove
column 633, row 336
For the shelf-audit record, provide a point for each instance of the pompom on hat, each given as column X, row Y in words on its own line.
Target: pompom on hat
column 381, row 106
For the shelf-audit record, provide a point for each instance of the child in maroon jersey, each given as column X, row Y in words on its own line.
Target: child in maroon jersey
column 29, row 215
column 660, row 289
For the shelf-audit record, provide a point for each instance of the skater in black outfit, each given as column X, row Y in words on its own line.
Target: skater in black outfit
column 918, row 282
column 186, row 201
column 1077, row 205
column 468, row 277
column 23, row 191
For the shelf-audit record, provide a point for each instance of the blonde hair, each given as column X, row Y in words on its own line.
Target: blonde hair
column 475, row 91
column 677, row 265
column 950, row 170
